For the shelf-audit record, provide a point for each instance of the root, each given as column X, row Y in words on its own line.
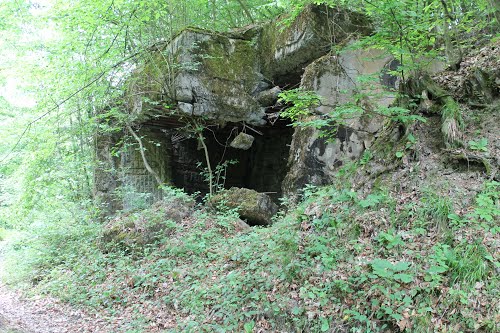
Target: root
column 452, row 125
column 464, row 157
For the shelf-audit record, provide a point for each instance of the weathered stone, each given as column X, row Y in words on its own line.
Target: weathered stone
column 268, row 97
column 133, row 231
column 240, row 225
column 121, row 181
column 185, row 108
column 254, row 207
column 139, row 187
column 221, row 76
column 233, row 78
column 106, row 178
column 242, row 141
column 337, row 78
column 478, row 79
column 315, row 159
column 206, row 74
column 304, row 168
column 287, row 47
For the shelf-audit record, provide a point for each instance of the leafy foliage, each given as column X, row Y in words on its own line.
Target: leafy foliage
column 340, row 259
column 479, row 145
column 301, row 102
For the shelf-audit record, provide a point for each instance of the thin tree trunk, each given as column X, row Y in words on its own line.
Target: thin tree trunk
column 246, row 11
column 209, row 166
column 453, row 52
column 143, row 155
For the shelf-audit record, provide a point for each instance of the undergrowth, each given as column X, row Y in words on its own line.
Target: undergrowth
column 337, row 262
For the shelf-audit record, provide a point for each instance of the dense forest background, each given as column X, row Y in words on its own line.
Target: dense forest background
column 64, row 62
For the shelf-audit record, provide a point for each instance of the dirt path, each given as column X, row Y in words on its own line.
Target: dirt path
column 31, row 316
column 19, row 315
column 47, row 315
column 6, row 327
column 44, row 315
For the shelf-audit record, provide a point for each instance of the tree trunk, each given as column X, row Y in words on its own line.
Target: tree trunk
column 143, row 155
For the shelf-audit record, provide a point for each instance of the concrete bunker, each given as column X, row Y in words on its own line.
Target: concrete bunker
column 229, row 82
column 261, row 167
column 178, row 159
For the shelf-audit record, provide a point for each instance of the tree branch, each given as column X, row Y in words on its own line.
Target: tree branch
column 143, row 155
column 207, row 157
column 58, row 105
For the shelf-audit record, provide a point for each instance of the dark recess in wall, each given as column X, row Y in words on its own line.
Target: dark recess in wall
column 261, row 168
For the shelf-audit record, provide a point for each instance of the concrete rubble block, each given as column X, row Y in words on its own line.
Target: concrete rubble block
column 207, row 74
column 289, row 46
column 134, row 231
column 242, row 141
column 315, row 159
column 254, row 207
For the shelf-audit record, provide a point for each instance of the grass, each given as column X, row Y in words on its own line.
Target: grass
column 452, row 123
column 435, row 210
column 470, row 264
column 3, row 234
column 336, row 261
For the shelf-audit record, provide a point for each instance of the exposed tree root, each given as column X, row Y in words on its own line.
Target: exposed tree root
column 452, row 125
column 462, row 156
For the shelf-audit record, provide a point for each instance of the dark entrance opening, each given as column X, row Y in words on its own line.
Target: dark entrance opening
column 262, row 167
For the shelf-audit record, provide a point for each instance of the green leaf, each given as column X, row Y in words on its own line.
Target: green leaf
column 411, row 138
column 371, row 200
column 405, row 278
column 325, row 326
column 479, row 145
column 248, row 327
column 437, row 269
column 397, row 316
column 381, row 264
column 424, row 310
column 382, row 268
column 401, row 266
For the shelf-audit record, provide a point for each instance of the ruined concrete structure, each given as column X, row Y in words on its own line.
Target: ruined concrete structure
column 230, row 83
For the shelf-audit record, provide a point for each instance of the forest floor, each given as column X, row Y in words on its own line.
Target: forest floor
column 414, row 250
column 20, row 314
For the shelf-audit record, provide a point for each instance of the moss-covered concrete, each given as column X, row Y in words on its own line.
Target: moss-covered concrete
column 235, row 78
column 314, row 158
column 290, row 43
column 133, row 231
column 254, row 207
column 218, row 75
column 212, row 75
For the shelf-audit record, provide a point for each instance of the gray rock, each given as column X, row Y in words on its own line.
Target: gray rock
column 309, row 36
column 242, row 141
column 185, row 108
column 314, row 159
column 268, row 97
column 224, row 76
column 207, row 74
column 254, row 207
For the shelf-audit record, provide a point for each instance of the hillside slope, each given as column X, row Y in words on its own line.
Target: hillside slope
column 404, row 239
